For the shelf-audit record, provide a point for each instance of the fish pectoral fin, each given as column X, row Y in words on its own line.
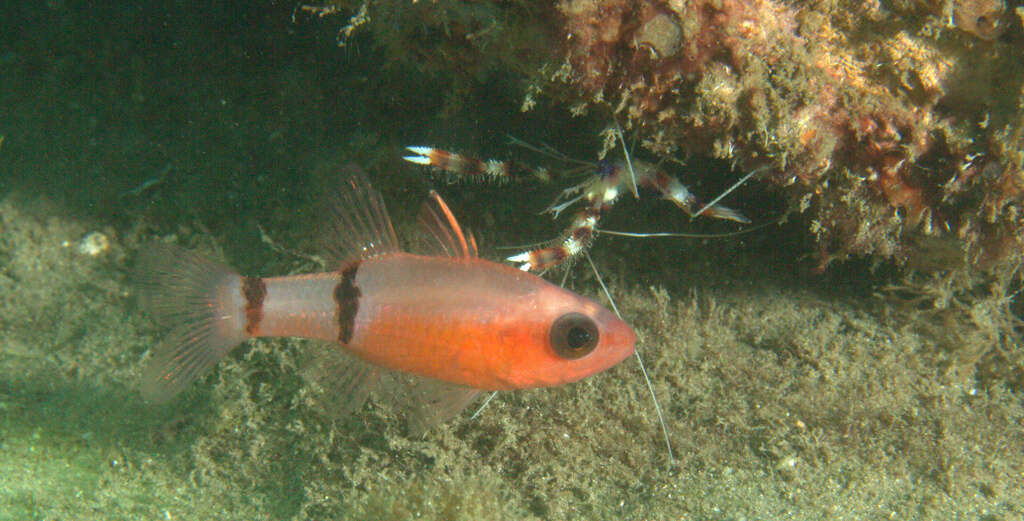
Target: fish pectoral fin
column 340, row 381
column 427, row 402
column 440, row 233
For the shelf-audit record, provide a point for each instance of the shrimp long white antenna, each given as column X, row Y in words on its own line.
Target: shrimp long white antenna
column 548, row 151
column 727, row 192
column 689, row 235
column 482, row 405
column 643, row 370
column 629, row 162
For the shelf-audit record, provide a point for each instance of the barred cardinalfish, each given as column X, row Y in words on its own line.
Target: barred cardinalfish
column 458, row 323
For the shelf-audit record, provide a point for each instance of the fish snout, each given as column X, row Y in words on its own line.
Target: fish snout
column 620, row 340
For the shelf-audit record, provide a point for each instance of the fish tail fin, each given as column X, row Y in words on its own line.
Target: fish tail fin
column 202, row 304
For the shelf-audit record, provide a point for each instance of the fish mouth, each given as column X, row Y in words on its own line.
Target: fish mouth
column 620, row 341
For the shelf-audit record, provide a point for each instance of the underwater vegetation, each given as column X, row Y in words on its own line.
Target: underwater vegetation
column 865, row 392
column 896, row 128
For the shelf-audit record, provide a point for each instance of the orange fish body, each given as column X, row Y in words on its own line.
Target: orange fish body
column 450, row 317
column 485, row 325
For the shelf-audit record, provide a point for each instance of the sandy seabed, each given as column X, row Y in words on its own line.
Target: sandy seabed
column 781, row 402
column 786, row 395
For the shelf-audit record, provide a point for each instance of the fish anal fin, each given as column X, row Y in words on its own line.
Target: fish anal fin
column 357, row 225
column 440, row 232
column 427, row 402
column 340, row 381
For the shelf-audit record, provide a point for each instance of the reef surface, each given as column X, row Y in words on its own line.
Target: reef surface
column 869, row 389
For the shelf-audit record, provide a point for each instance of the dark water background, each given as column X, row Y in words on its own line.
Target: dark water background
column 788, row 394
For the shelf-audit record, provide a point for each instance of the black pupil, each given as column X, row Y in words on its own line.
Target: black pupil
column 573, row 336
column 578, row 337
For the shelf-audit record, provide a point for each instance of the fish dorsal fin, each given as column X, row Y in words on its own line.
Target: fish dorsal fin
column 357, row 226
column 440, row 232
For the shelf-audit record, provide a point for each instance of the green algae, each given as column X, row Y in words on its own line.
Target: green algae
column 781, row 402
column 786, row 396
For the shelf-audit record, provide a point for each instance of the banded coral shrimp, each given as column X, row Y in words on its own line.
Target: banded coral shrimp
column 603, row 183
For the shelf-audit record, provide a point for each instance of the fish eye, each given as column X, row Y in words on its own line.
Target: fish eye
column 573, row 336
